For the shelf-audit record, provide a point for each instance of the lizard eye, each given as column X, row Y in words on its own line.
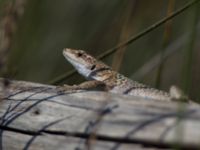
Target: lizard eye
column 93, row 67
column 79, row 54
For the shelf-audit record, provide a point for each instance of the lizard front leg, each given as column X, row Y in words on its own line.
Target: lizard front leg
column 88, row 85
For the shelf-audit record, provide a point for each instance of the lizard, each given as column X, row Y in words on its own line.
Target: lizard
column 100, row 74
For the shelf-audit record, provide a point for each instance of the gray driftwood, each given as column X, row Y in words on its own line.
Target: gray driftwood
column 35, row 116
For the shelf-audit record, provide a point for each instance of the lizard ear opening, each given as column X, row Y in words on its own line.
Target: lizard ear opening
column 93, row 67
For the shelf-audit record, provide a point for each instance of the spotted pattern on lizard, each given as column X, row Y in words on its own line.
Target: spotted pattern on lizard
column 92, row 69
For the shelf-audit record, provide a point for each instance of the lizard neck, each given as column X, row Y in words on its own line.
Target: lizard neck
column 103, row 74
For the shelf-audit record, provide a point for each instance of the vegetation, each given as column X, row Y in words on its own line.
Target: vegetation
column 161, row 55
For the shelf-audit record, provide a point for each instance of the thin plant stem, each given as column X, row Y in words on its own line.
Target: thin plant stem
column 125, row 31
column 188, row 56
column 130, row 40
column 166, row 38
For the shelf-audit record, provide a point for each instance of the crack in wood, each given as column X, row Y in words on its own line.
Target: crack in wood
column 121, row 140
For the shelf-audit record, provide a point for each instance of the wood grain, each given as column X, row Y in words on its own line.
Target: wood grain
column 36, row 116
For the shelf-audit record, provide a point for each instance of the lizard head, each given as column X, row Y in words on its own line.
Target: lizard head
column 85, row 64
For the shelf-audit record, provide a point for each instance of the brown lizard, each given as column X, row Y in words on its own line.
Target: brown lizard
column 101, row 74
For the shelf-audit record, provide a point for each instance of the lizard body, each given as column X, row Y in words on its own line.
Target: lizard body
column 98, row 72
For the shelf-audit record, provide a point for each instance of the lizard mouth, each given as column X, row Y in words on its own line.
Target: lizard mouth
column 79, row 64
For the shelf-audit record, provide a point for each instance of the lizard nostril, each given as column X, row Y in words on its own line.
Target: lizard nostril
column 79, row 54
column 93, row 67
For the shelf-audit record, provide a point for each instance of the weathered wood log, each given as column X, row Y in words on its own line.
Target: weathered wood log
column 36, row 116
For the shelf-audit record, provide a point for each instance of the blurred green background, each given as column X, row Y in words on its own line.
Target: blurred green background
column 45, row 27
